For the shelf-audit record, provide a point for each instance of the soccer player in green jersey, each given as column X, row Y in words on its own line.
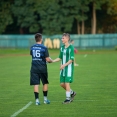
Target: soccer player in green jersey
column 67, row 67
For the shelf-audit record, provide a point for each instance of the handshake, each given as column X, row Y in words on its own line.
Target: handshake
column 49, row 60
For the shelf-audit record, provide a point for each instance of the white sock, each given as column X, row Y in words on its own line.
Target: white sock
column 71, row 91
column 68, row 95
column 37, row 100
column 45, row 97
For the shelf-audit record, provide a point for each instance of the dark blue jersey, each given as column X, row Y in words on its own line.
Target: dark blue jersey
column 39, row 53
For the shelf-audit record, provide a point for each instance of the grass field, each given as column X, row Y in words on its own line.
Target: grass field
column 95, row 81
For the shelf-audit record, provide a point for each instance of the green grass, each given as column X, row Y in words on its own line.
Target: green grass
column 95, row 81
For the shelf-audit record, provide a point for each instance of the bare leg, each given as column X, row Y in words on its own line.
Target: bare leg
column 45, row 93
column 67, row 85
column 36, row 93
column 45, row 87
column 36, row 88
column 63, row 85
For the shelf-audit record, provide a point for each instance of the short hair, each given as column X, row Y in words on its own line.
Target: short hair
column 67, row 35
column 38, row 37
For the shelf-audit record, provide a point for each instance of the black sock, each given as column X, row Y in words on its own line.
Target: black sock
column 36, row 95
column 45, row 93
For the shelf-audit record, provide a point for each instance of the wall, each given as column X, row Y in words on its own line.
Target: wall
column 80, row 41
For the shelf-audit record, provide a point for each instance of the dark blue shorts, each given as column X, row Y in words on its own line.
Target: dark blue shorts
column 36, row 77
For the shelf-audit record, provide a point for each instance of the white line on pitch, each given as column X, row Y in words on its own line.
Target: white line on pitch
column 22, row 109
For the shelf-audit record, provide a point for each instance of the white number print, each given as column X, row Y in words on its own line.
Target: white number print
column 36, row 53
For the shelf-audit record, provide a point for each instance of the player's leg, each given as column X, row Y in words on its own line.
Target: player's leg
column 73, row 94
column 63, row 85
column 70, row 94
column 36, row 88
column 67, row 87
column 45, row 93
column 62, row 82
column 36, row 93
column 34, row 80
column 44, row 79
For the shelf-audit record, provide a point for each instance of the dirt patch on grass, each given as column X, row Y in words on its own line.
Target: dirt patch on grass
column 80, row 52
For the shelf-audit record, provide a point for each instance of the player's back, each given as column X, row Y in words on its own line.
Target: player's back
column 39, row 53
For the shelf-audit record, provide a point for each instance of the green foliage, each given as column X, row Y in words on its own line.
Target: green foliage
column 24, row 11
column 5, row 15
column 112, row 7
column 52, row 16
column 98, row 3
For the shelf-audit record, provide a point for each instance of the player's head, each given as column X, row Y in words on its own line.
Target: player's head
column 65, row 37
column 38, row 37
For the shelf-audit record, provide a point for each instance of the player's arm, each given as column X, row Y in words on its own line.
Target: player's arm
column 49, row 60
column 59, row 58
column 64, row 65
column 56, row 60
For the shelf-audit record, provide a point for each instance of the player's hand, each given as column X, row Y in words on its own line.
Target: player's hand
column 62, row 67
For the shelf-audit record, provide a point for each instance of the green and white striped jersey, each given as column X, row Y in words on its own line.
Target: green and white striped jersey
column 65, row 55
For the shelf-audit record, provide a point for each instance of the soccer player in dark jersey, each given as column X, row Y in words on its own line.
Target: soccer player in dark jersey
column 40, row 57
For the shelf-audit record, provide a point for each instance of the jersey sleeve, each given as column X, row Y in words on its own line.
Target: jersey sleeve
column 60, row 54
column 46, row 53
column 72, row 53
column 31, row 51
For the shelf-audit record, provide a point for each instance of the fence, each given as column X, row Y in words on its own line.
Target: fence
column 80, row 41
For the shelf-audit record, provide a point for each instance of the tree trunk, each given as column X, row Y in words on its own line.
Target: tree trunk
column 83, row 26
column 78, row 27
column 21, row 31
column 94, row 19
column 82, row 30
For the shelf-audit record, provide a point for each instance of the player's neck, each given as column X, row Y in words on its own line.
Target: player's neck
column 38, row 42
column 66, row 44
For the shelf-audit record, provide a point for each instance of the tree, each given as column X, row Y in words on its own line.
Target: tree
column 96, row 5
column 112, row 16
column 24, row 11
column 51, row 19
column 82, row 16
column 55, row 16
column 58, row 16
column 5, row 15
column 45, row 15
column 75, row 9
column 112, row 7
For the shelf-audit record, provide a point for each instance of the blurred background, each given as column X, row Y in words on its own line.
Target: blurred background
column 91, row 23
